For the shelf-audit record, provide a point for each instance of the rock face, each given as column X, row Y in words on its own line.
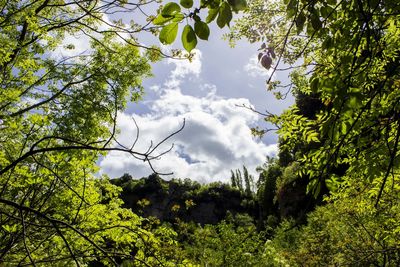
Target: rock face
column 186, row 200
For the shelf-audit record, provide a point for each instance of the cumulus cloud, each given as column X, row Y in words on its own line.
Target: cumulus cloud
column 216, row 137
column 183, row 68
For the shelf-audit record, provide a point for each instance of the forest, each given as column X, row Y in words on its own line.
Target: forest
column 330, row 197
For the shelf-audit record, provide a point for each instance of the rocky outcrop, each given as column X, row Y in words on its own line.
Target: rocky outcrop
column 186, row 200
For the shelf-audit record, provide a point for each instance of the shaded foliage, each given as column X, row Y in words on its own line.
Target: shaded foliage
column 186, row 200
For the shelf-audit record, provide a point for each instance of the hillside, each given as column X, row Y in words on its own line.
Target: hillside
column 187, row 200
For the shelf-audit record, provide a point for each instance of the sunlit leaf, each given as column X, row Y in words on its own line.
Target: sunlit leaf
column 186, row 3
column 170, row 9
column 189, row 39
column 224, row 15
column 212, row 14
column 168, row 33
column 202, row 30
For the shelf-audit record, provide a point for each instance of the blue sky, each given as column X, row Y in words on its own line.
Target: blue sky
column 206, row 93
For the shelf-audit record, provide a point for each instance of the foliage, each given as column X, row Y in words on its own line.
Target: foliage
column 346, row 231
column 225, row 244
column 348, row 55
column 341, row 138
column 57, row 117
column 342, row 135
column 267, row 188
column 245, row 182
column 183, row 200
column 171, row 14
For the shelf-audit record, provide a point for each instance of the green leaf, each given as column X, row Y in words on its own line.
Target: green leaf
column 212, row 14
column 10, row 228
column 238, row 5
column 316, row 23
column 312, row 137
column 224, row 15
column 291, row 8
column 189, row 39
column 314, row 84
column 213, row 4
column 186, row 3
column 202, row 30
column 332, row 183
column 160, row 20
column 344, row 127
column 178, row 17
column 170, row 9
column 168, row 33
column 300, row 20
column 326, row 11
column 327, row 43
column 355, row 101
column 196, row 18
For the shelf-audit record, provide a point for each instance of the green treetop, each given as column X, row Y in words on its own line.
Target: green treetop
column 57, row 116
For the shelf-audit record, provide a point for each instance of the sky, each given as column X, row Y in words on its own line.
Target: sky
column 207, row 94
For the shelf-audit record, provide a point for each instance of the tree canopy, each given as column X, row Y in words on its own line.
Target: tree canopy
column 339, row 143
column 344, row 57
column 58, row 116
column 342, row 134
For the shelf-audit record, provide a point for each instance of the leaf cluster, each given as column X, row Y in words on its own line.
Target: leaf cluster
column 171, row 15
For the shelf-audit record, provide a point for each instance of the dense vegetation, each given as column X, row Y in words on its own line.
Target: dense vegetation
column 330, row 198
column 187, row 200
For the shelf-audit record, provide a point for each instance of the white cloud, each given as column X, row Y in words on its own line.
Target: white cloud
column 216, row 137
column 80, row 45
column 81, row 41
column 183, row 68
column 215, row 140
column 155, row 88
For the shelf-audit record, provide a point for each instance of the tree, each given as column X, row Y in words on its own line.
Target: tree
column 344, row 130
column 266, row 188
column 344, row 54
column 58, row 112
column 57, row 117
column 348, row 230
column 225, row 244
column 237, row 181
